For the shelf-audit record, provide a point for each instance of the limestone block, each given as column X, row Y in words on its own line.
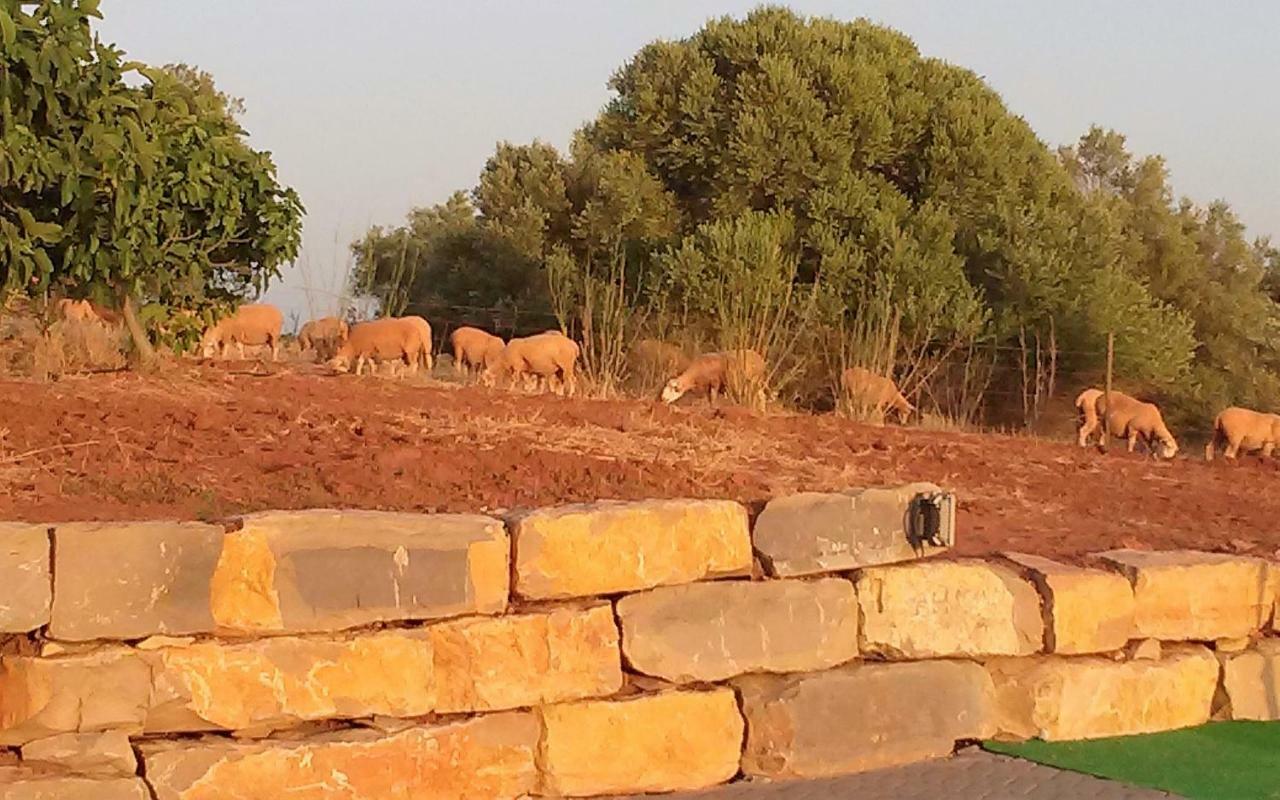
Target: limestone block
column 1184, row 595
column 716, row 630
column 84, row 692
column 298, row 571
column 271, row 683
column 1057, row 699
column 127, row 580
column 20, row 783
column 1251, row 682
column 524, row 660
column 815, row 532
column 1085, row 610
column 932, row 609
column 610, row 547
column 99, row 755
column 24, row 575
column 680, row 740
column 862, row 717
column 485, row 757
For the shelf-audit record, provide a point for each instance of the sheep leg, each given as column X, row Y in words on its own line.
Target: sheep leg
column 1232, row 449
column 1133, row 440
column 711, row 395
column 1087, row 429
column 240, row 348
column 1268, row 449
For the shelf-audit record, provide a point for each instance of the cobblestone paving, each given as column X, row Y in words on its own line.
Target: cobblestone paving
column 972, row 775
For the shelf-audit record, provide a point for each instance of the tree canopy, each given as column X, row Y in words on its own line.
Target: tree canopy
column 829, row 171
column 141, row 194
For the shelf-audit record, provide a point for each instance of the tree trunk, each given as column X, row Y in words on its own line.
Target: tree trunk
column 144, row 353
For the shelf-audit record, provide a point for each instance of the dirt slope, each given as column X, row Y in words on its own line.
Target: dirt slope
column 207, row 442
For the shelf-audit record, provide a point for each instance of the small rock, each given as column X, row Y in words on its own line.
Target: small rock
column 1143, row 650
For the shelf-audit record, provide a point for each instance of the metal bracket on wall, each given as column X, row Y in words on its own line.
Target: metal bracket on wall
column 931, row 520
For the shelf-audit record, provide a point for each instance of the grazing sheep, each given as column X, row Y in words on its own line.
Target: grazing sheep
column 381, row 340
column 1087, row 412
column 85, row 311
column 324, row 336
column 1131, row 419
column 252, row 324
column 1243, row 429
column 425, row 328
column 653, row 360
column 713, row 373
column 544, row 357
column 867, row 390
column 473, row 349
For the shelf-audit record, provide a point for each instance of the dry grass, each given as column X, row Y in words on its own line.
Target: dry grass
column 31, row 349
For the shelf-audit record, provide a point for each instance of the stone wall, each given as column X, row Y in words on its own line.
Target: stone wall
column 586, row 650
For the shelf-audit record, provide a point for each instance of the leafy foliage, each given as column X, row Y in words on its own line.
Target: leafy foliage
column 795, row 184
column 137, row 194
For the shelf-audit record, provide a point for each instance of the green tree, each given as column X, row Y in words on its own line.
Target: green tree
column 143, row 194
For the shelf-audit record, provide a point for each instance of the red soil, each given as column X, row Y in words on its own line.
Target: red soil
column 207, row 442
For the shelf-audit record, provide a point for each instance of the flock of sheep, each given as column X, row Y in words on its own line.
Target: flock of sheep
column 1124, row 417
column 548, row 361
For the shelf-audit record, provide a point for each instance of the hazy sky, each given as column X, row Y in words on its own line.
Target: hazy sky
column 373, row 107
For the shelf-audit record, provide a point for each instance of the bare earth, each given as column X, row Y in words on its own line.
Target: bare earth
column 212, row 441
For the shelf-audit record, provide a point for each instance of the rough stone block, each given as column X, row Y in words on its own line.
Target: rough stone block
column 712, row 631
column 862, row 717
column 816, row 532
column 936, row 609
column 610, row 547
column 300, row 571
column 1085, row 610
column 127, row 580
column 1184, row 595
column 1251, row 682
column 524, row 660
column 667, row 742
column 87, row 692
column 99, row 755
column 1085, row 697
column 486, row 757
column 21, row 783
column 24, row 574
column 271, row 683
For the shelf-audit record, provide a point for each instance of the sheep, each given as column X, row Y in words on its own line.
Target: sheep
column 651, row 360
column 473, row 349
column 253, row 324
column 393, row 339
column 1132, row 419
column 545, row 357
column 714, row 372
column 1241, row 428
column 1087, row 412
column 868, row 390
column 86, row 311
column 425, row 353
column 324, row 336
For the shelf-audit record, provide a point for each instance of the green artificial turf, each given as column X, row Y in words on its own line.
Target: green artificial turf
column 1218, row 761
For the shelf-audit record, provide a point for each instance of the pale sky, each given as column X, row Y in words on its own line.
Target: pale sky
column 371, row 108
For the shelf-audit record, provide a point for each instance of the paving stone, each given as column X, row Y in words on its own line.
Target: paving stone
column 1085, row 610
column 1184, row 595
column 653, row 743
column 815, row 532
column 1087, row 697
column 22, row 784
column 1251, row 682
column 321, row 570
column 24, row 574
column 933, row 609
column 610, row 547
column 716, row 630
column 862, row 717
column 157, row 580
column 99, row 755
column 486, row 757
